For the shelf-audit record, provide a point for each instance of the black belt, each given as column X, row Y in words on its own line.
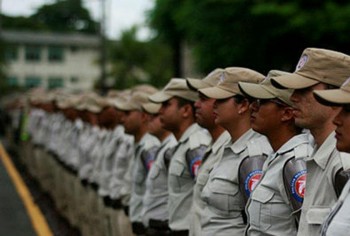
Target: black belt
column 138, row 228
column 179, row 233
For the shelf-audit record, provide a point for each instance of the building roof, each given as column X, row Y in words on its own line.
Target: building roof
column 49, row 38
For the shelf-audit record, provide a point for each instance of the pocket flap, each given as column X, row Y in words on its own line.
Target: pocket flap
column 317, row 215
column 223, row 186
column 154, row 172
column 176, row 168
column 262, row 195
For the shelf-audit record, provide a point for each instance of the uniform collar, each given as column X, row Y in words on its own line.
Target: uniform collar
column 241, row 144
column 292, row 143
column 189, row 131
column 321, row 155
column 221, row 141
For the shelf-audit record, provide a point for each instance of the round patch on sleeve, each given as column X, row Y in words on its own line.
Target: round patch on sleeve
column 298, row 184
column 195, row 163
column 251, row 181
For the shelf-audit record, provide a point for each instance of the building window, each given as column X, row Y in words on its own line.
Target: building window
column 32, row 81
column 33, row 53
column 55, row 54
column 55, row 82
column 11, row 53
column 74, row 80
column 12, row 81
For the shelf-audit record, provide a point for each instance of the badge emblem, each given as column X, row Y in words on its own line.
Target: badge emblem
column 298, row 185
column 302, row 62
column 195, row 163
column 251, row 181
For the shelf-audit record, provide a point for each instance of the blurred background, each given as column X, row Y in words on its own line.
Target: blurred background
column 83, row 45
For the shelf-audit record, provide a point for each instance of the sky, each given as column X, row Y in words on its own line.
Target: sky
column 120, row 14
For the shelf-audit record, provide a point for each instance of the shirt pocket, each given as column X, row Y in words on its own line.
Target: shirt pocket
column 225, row 197
column 177, row 177
column 261, row 207
column 317, row 215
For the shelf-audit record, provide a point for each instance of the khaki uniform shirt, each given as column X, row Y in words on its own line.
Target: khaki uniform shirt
column 139, row 175
column 155, row 201
column 269, row 209
column 320, row 194
column 180, row 179
column 222, row 195
column 211, row 156
column 338, row 221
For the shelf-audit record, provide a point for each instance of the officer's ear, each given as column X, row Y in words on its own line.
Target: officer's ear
column 187, row 110
column 243, row 106
column 144, row 117
column 287, row 114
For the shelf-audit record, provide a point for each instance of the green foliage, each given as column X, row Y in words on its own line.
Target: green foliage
column 135, row 62
column 61, row 16
column 259, row 34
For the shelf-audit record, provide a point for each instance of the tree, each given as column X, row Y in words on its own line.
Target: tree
column 261, row 35
column 65, row 16
column 135, row 62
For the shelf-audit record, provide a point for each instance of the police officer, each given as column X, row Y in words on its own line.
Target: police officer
column 225, row 199
column 206, row 119
column 318, row 69
column 275, row 202
column 177, row 116
column 155, row 200
column 135, row 123
column 338, row 221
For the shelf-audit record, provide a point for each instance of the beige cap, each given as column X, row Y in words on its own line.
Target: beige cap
column 134, row 101
column 334, row 96
column 92, row 103
column 151, row 108
column 209, row 81
column 228, row 82
column 265, row 90
column 315, row 66
column 175, row 88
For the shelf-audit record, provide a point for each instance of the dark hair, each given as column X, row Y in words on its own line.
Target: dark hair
column 182, row 102
column 240, row 98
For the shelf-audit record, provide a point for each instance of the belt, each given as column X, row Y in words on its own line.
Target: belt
column 179, row 233
column 138, row 228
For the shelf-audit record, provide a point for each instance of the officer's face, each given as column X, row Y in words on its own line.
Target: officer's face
column 265, row 115
column 132, row 121
column 342, row 121
column 205, row 111
column 170, row 114
column 226, row 112
column 309, row 113
column 154, row 125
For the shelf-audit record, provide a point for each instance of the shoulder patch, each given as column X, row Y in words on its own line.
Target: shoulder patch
column 194, row 159
column 251, row 181
column 297, row 185
column 148, row 157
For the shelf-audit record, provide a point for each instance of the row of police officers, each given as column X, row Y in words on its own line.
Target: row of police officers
column 234, row 153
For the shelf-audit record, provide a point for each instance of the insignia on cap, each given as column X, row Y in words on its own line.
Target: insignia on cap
column 347, row 81
column 221, row 79
column 302, row 62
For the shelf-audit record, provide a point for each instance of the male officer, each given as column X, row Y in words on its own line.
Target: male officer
column 155, row 201
column 276, row 199
column 177, row 116
column 338, row 221
column 206, row 119
column 136, row 123
column 318, row 69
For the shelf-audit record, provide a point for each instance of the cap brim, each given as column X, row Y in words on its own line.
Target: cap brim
column 160, row 97
column 151, row 108
column 216, row 93
column 255, row 91
column 196, row 84
column 332, row 97
column 292, row 81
